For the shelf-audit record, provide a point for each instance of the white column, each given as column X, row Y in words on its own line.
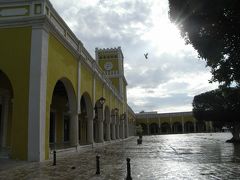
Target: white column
column 90, row 123
column 126, row 129
column 171, row 125
column 113, row 132
column 127, row 126
column 159, row 125
column 148, row 130
column 100, row 122
column 117, row 130
column 207, row 126
column 79, row 88
column 101, row 131
column 113, row 127
column 90, row 130
column 37, row 94
column 5, row 112
column 121, row 129
column 194, row 124
column 78, row 100
column 74, row 129
column 108, row 132
column 210, row 126
column 183, row 124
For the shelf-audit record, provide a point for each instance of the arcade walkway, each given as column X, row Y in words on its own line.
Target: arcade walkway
column 182, row 156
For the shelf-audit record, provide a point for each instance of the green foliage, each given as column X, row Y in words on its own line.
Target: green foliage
column 221, row 106
column 213, row 29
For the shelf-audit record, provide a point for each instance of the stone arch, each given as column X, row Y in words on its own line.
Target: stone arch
column 177, row 127
column 98, row 122
column 144, row 128
column 153, row 128
column 165, row 128
column 85, row 119
column 6, row 84
column 6, row 109
column 189, row 127
column 63, row 115
column 106, row 126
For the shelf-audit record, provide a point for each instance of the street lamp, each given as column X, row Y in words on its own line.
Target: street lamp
column 116, row 110
column 123, row 116
column 102, row 100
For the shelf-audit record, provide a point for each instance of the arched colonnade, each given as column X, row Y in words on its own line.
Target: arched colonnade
column 174, row 128
column 94, row 124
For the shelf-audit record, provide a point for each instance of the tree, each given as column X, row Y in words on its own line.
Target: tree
column 220, row 106
column 213, row 29
column 139, row 130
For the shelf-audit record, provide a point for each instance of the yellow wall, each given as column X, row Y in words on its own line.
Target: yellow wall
column 99, row 89
column 61, row 63
column 165, row 120
column 107, row 96
column 15, row 54
column 188, row 118
column 86, row 81
column 115, row 82
column 176, row 119
column 15, row 57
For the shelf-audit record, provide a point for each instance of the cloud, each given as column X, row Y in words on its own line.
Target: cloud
column 107, row 23
column 172, row 75
column 174, row 103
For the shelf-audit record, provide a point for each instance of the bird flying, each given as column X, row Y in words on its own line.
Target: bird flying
column 146, row 55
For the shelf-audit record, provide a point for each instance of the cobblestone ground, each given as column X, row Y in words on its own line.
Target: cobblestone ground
column 182, row 156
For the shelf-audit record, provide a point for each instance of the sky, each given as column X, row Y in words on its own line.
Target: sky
column 171, row 76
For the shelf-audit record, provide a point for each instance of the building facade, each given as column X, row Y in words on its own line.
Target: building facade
column 154, row 123
column 53, row 94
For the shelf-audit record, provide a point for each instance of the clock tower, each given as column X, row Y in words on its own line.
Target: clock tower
column 111, row 62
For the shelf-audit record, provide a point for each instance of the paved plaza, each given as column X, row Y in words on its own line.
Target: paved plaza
column 180, row 156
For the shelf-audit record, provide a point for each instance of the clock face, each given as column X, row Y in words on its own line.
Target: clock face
column 108, row 66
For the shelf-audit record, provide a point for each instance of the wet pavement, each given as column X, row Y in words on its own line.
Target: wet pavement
column 182, row 156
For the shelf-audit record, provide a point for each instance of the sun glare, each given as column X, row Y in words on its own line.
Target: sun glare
column 163, row 35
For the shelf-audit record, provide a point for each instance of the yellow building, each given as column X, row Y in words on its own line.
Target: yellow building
column 170, row 123
column 53, row 94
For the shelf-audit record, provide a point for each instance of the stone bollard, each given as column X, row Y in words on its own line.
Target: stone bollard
column 128, row 170
column 97, row 165
column 54, row 158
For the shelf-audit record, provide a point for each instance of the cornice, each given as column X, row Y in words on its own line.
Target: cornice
column 159, row 115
